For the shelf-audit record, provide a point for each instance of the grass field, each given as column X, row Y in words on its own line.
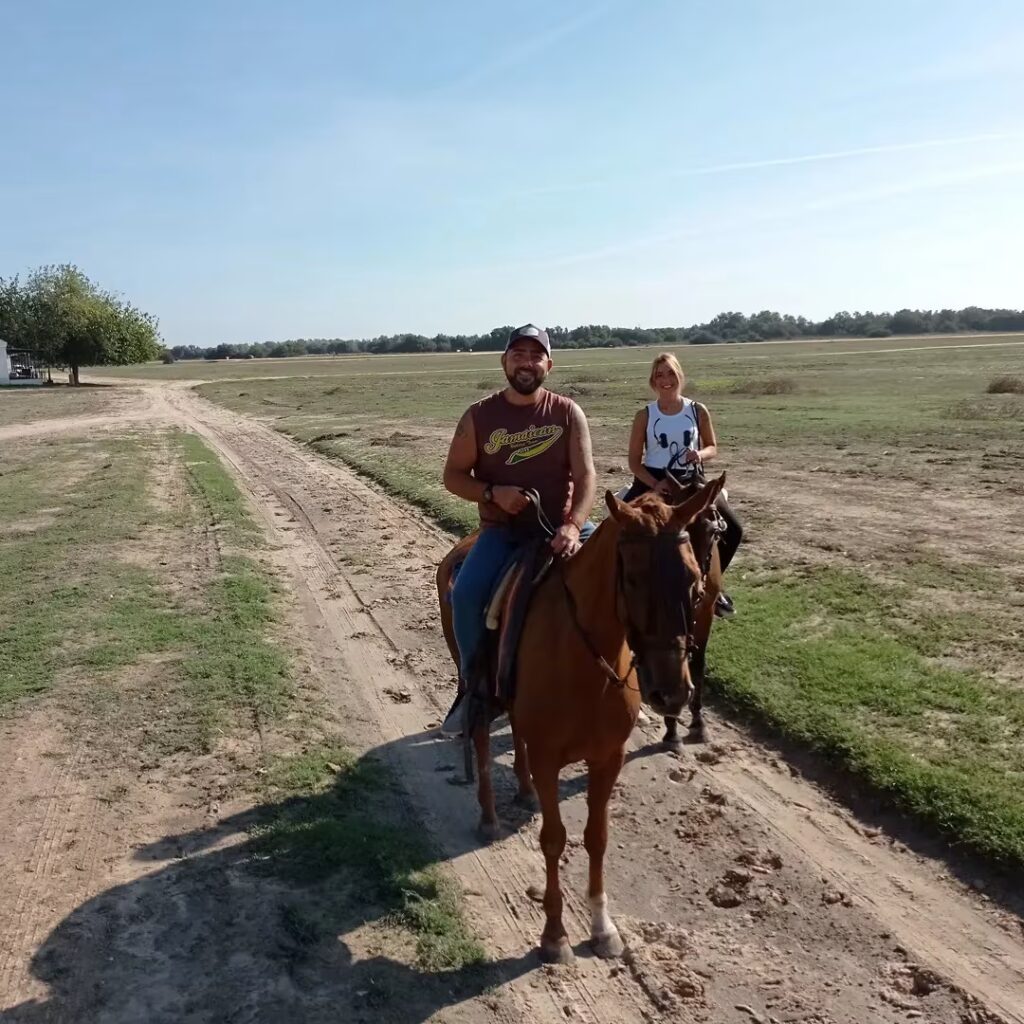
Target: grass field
column 880, row 620
column 81, row 599
column 24, row 405
column 133, row 598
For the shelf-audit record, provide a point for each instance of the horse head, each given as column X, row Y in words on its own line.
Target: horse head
column 659, row 583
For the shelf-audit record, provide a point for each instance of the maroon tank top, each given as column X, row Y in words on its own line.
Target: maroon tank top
column 525, row 446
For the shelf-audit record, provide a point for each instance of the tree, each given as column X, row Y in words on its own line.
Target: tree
column 908, row 321
column 66, row 320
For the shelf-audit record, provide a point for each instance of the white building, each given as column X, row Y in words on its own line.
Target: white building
column 26, row 373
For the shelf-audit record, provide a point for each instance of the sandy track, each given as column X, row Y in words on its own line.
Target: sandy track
column 832, row 922
column 838, row 930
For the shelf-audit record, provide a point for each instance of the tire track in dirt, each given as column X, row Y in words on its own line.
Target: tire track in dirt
column 859, row 915
column 67, row 808
column 496, row 877
column 74, row 834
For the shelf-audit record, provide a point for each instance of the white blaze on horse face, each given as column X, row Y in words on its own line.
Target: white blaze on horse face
column 601, row 924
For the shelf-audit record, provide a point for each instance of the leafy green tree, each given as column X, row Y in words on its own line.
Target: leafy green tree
column 66, row 320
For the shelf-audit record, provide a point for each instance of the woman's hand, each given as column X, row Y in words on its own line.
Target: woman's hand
column 692, row 456
column 663, row 488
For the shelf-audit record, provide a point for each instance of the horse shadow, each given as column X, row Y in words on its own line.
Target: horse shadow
column 278, row 912
column 275, row 913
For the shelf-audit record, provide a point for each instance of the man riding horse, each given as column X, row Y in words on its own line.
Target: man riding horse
column 523, row 438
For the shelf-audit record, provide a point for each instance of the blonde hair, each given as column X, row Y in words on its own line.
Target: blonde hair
column 669, row 360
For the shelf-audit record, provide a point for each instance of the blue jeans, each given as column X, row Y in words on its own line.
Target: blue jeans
column 479, row 574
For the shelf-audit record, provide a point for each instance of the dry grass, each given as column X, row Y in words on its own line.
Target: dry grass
column 764, row 386
column 1006, row 385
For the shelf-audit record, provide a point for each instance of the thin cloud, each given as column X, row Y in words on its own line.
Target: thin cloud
column 966, row 176
column 754, row 165
column 846, row 154
column 517, row 55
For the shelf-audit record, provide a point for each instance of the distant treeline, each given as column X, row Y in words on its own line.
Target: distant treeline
column 724, row 328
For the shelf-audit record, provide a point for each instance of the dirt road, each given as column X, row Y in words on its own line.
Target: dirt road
column 745, row 894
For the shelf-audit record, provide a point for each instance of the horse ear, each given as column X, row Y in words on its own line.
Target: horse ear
column 615, row 506
column 690, row 509
column 620, row 511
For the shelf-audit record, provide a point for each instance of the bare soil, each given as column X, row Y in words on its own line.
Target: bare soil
column 745, row 892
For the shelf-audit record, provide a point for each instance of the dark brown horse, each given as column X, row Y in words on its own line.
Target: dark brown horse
column 606, row 630
column 703, row 538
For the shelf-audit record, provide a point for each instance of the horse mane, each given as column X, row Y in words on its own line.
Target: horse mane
column 651, row 514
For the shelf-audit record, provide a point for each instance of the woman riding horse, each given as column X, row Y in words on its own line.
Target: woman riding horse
column 676, row 433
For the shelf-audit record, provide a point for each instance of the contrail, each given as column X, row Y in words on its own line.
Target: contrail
column 783, row 161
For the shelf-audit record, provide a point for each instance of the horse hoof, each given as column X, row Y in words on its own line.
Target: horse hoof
column 528, row 801
column 488, row 831
column 697, row 733
column 608, row 947
column 557, row 952
column 672, row 744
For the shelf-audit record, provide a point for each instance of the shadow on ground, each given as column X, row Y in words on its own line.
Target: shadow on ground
column 286, row 912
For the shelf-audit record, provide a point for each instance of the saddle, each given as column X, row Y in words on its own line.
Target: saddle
column 489, row 684
column 492, row 679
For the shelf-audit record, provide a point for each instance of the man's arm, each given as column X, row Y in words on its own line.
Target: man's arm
column 458, row 471
column 584, row 483
column 458, row 468
column 584, row 476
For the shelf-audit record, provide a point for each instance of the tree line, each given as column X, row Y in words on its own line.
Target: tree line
column 724, row 328
column 65, row 320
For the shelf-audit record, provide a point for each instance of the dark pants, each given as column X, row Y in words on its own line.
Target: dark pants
column 730, row 540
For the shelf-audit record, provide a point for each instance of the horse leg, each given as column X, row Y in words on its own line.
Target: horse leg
column 489, row 829
column 604, row 936
column 671, row 740
column 554, row 942
column 697, row 701
column 527, row 795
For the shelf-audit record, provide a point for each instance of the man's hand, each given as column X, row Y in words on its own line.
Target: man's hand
column 509, row 499
column 566, row 540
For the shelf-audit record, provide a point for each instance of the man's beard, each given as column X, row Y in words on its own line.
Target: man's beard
column 526, row 382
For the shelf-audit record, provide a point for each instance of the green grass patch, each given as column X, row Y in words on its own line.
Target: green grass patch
column 419, row 484
column 61, row 592
column 341, row 827
column 813, row 657
column 213, row 487
column 855, row 666
column 232, row 670
column 74, row 605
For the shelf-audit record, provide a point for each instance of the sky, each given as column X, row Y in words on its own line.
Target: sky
column 251, row 171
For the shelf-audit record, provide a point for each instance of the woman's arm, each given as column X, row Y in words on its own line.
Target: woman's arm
column 706, row 435
column 637, row 442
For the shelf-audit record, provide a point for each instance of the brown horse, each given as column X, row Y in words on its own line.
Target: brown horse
column 703, row 538
column 606, row 630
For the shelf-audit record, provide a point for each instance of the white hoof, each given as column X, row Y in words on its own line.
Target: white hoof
column 608, row 947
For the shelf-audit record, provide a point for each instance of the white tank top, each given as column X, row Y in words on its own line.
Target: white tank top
column 667, row 435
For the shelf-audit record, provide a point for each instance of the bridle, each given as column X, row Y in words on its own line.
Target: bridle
column 669, row 597
column 668, row 614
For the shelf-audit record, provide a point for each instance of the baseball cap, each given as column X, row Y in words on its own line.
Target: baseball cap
column 533, row 334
